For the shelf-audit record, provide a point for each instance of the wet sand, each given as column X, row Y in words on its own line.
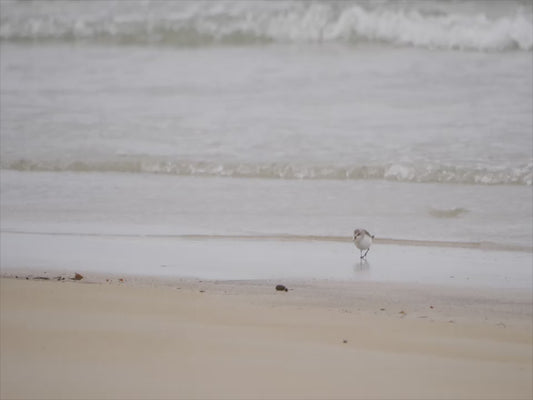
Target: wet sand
column 148, row 338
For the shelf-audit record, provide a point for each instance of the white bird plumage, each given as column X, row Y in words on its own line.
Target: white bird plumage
column 362, row 240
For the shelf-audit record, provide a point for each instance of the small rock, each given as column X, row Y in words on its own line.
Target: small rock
column 281, row 288
column 77, row 277
column 121, row 280
column 202, row 291
column 344, row 341
column 381, row 309
column 431, row 307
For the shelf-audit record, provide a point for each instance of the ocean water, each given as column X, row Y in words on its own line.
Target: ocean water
column 281, row 119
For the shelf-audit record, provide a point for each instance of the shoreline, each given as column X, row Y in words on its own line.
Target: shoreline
column 244, row 260
column 211, row 339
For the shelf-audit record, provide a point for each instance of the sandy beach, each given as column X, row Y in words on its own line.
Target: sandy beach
column 192, row 339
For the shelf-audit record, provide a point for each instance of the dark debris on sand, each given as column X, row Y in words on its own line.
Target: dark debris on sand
column 77, row 277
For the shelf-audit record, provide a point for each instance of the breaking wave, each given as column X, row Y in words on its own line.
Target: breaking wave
column 522, row 175
column 432, row 24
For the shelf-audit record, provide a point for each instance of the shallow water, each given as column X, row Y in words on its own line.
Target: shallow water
column 213, row 228
column 144, row 204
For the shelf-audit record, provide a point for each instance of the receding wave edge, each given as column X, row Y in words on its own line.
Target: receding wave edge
column 482, row 245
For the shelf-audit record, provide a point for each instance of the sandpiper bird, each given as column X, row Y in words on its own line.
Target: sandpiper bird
column 363, row 240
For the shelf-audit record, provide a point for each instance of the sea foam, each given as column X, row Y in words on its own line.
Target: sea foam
column 400, row 172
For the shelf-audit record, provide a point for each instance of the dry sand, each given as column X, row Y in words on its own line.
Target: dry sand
column 199, row 340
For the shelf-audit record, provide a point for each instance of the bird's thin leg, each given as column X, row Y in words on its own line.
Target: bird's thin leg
column 367, row 250
column 362, row 256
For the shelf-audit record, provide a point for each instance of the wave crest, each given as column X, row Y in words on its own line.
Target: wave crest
column 203, row 23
